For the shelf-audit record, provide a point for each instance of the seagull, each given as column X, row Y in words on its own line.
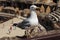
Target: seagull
column 32, row 20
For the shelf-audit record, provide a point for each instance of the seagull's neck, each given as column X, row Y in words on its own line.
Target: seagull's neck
column 33, row 14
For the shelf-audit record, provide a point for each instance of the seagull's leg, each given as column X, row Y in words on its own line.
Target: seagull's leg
column 42, row 29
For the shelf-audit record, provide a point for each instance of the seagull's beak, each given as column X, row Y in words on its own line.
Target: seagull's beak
column 37, row 8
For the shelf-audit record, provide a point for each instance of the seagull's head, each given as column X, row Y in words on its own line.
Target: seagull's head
column 33, row 7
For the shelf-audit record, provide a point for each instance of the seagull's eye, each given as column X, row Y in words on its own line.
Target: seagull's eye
column 32, row 7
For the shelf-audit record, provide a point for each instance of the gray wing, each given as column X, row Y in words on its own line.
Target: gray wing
column 23, row 24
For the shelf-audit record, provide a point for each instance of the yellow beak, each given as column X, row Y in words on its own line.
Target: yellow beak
column 37, row 8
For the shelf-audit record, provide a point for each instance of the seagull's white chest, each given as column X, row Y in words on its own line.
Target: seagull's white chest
column 33, row 22
column 33, row 18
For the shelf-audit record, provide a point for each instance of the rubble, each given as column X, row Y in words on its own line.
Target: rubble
column 35, row 31
column 48, row 10
column 26, row 12
column 42, row 9
column 1, row 8
column 58, row 3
